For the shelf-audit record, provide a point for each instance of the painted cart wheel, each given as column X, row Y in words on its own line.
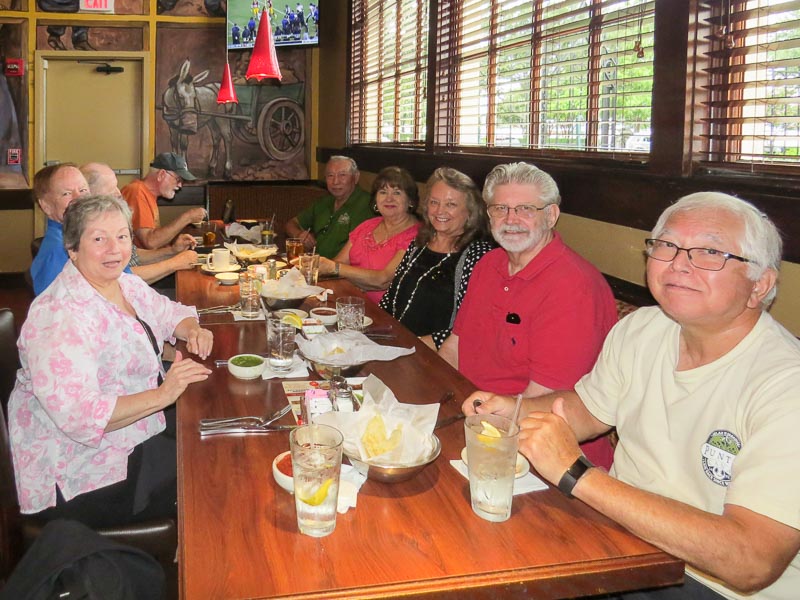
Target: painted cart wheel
column 281, row 128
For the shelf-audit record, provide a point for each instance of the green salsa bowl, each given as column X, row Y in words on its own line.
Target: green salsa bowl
column 246, row 366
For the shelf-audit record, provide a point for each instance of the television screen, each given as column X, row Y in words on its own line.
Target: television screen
column 292, row 23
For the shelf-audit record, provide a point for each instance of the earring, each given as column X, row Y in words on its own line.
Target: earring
column 374, row 207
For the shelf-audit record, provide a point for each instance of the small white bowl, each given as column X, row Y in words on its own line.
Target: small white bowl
column 281, row 478
column 242, row 372
column 326, row 316
column 227, row 278
column 521, row 468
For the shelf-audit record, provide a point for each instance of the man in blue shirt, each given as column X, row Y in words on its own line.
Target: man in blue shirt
column 55, row 187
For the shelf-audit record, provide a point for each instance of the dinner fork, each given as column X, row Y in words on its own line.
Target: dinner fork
column 216, row 309
column 259, row 421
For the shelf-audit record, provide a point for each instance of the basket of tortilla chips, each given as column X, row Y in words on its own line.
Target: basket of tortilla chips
column 388, row 440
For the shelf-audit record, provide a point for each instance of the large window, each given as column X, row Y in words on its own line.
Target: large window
column 389, row 70
column 567, row 75
column 753, row 82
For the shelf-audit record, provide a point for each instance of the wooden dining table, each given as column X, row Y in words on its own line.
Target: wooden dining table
column 238, row 535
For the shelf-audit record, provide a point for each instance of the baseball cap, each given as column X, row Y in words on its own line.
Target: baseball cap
column 172, row 162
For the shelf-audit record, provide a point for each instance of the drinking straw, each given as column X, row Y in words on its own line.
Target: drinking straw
column 272, row 223
column 516, row 408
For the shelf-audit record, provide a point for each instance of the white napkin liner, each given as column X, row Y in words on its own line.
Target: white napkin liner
column 357, row 347
column 298, row 369
column 290, row 286
column 523, row 485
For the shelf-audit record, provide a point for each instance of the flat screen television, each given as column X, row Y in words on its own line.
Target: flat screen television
column 293, row 23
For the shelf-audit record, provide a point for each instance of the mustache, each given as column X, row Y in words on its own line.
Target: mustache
column 513, row 229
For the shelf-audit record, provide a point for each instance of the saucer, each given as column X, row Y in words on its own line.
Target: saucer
column 228, row 269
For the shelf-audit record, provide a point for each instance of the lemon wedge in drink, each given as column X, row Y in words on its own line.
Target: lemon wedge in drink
column 489, row 434
column 293, row 320
column 318, row 497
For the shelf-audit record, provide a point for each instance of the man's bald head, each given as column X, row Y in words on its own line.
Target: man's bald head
column 101, row 179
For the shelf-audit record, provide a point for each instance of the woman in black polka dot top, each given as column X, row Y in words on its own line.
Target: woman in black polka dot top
column 432, row 278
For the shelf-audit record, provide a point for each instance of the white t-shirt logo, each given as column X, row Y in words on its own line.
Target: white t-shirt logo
column 718, row 454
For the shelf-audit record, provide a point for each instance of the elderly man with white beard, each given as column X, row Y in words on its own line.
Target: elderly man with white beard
column 535, row 313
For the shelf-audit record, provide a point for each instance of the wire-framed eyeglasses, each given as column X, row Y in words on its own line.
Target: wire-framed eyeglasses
column 523, row 211
column 708, row 259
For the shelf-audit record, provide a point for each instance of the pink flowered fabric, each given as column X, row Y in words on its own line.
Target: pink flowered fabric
column 79, row 353
column 366, row 253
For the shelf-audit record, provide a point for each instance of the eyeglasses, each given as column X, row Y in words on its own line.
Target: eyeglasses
column 524, row 211
column 708, row 259
column 178, row 179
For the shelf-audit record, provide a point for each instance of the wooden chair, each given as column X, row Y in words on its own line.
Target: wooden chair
column 17, row 532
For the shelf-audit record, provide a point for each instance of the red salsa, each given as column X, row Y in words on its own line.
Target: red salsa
column 285, row 465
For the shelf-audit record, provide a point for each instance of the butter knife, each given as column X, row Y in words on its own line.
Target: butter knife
column 449, row 420
column 244, row 429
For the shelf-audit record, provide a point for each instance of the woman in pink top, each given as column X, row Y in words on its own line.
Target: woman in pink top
column 370, row 257
column 86, row 418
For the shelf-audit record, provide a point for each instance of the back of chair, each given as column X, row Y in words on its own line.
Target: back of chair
column 10, row 537
column 9, row 357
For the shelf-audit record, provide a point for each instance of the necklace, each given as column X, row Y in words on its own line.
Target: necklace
column 414, row 291
column 389, row 232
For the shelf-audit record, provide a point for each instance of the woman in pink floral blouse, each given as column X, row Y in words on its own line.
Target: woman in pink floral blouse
column 86, row 415
column 370, row 257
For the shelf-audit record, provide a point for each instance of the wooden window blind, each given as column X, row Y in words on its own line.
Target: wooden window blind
column 753, row 83
column 388, row 74
column 551, row 74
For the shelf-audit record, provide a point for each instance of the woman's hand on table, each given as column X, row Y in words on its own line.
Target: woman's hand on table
column 199, row 341
column 182, row 372
column 326, row 266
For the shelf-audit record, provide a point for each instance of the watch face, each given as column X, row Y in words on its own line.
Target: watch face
column 568, row 481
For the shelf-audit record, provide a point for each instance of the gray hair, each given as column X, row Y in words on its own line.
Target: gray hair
column 523, row 174
column 353, row 165
column 761, row 241
column 477, row 225
column 82, row 210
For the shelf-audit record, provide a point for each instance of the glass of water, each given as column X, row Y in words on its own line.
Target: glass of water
column 492, row 445
column 350, row 313
column 316, row 463
column 280, row 345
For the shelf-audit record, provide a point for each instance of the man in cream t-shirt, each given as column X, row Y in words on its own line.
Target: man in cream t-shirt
column 703, row 391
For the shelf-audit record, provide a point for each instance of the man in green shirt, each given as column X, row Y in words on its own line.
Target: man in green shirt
column 327, row 223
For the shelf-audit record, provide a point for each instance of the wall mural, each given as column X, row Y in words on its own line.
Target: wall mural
column 193, row 8
column 13, row 112
column 89, row 38
column 261, row 137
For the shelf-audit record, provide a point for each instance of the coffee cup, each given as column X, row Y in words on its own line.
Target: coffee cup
column 220, row 259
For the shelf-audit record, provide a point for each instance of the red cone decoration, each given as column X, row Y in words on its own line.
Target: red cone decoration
column 227, row 93
column 264, row 60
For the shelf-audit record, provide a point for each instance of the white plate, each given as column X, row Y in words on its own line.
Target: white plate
column 522, row 467
column 367, row 321
column 295, row 311
column 229, row 269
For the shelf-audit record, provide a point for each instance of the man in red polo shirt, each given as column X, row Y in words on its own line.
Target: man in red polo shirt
column 535, row 314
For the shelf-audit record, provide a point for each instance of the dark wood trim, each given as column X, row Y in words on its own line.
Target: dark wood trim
column 21, row 199
column 638, row 295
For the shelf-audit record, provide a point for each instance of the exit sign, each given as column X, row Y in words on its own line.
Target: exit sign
column 102, row 6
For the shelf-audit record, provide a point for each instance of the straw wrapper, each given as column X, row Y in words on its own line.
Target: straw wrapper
column 415, row 420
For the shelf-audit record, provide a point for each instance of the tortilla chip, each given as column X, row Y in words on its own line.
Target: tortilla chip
column 375, row 440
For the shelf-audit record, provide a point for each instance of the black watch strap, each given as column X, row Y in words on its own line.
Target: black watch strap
column 570, row 478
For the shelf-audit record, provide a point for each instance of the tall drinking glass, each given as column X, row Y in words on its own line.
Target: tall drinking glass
column 309, row 267
column 249, row 302
column 280, row 344
column 350, row 313
column 492, row 445
column 316, row 463
column 294, row 248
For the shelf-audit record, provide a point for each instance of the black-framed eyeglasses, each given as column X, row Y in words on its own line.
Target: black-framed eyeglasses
column 524, row 211
column 708, row 259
